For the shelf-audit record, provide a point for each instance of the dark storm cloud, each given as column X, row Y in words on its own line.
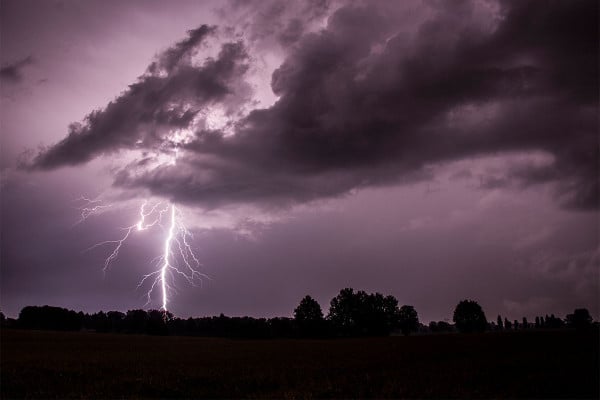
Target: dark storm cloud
column 167, row 97
column 14, row 72
column 182, row 51
column 267, row 21
column 363, row 102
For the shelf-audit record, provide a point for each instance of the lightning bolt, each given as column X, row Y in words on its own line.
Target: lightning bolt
column 91, row 207
column 177, row 259
column 167, row 265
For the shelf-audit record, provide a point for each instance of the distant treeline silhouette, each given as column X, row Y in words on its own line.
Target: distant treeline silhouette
column 351, row 314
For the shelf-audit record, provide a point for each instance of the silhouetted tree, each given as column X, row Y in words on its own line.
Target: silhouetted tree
column 309, row 317
column 557, row 322
column 99, row 322
column 553, row 323
column 440, row 326
column 507, row 324
column 136, row 321
column 525, row 324
column 308, row 310
column 580, row 319
column 516, row 325
column 116, row 321
column 157, row 322
column 342, row 310
column 499, row 322
column 372, row 317
column 47, row 317
column 444, row 326
column 191, row 328
column 176, row 326
column 359, row 313
column 408, row 320
column 392, row 314
column 284, row 327
column 433, row 327
column 537, row 322
column 469, row 317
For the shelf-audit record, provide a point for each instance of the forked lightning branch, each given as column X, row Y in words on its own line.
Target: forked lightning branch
column 177, row 258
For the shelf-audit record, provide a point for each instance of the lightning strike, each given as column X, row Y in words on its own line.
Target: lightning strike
column 177, row 259
column 166, row 255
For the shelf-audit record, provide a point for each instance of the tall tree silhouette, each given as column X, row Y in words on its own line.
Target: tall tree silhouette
column 580, row 319
column 408, row 320
column 308, row 310
column 309, row 317
column 469, row 317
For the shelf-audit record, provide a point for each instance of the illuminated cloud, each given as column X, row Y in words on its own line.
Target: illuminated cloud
column 360, row 103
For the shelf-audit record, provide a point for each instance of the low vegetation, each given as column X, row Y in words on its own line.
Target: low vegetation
column 351, row 314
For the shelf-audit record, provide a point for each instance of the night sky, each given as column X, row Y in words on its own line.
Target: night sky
column 430, row 150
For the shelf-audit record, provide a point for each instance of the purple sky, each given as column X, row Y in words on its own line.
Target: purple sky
column 430, row 150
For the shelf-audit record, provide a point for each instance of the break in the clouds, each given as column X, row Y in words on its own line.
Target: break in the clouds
column 13, row 72
column 362, row 101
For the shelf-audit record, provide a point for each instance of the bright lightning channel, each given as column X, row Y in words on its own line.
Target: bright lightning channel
column 177, row 259
column 166, row 265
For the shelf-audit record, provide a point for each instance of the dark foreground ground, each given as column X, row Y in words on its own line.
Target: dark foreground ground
column 560, row 364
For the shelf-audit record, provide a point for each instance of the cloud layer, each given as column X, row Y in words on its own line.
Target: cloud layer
column 370, row 99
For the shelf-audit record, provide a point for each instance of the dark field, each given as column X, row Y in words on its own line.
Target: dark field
column 550, row 364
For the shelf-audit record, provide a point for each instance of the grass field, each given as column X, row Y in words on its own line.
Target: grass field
column 559, row 364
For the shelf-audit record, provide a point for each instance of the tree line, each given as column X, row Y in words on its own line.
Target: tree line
column 351, row 314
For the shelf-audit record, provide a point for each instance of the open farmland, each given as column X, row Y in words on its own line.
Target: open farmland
column 38, row 364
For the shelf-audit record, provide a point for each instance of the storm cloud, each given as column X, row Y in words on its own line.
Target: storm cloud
column 364, row 102
column 168, row 96
column 13, row 72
